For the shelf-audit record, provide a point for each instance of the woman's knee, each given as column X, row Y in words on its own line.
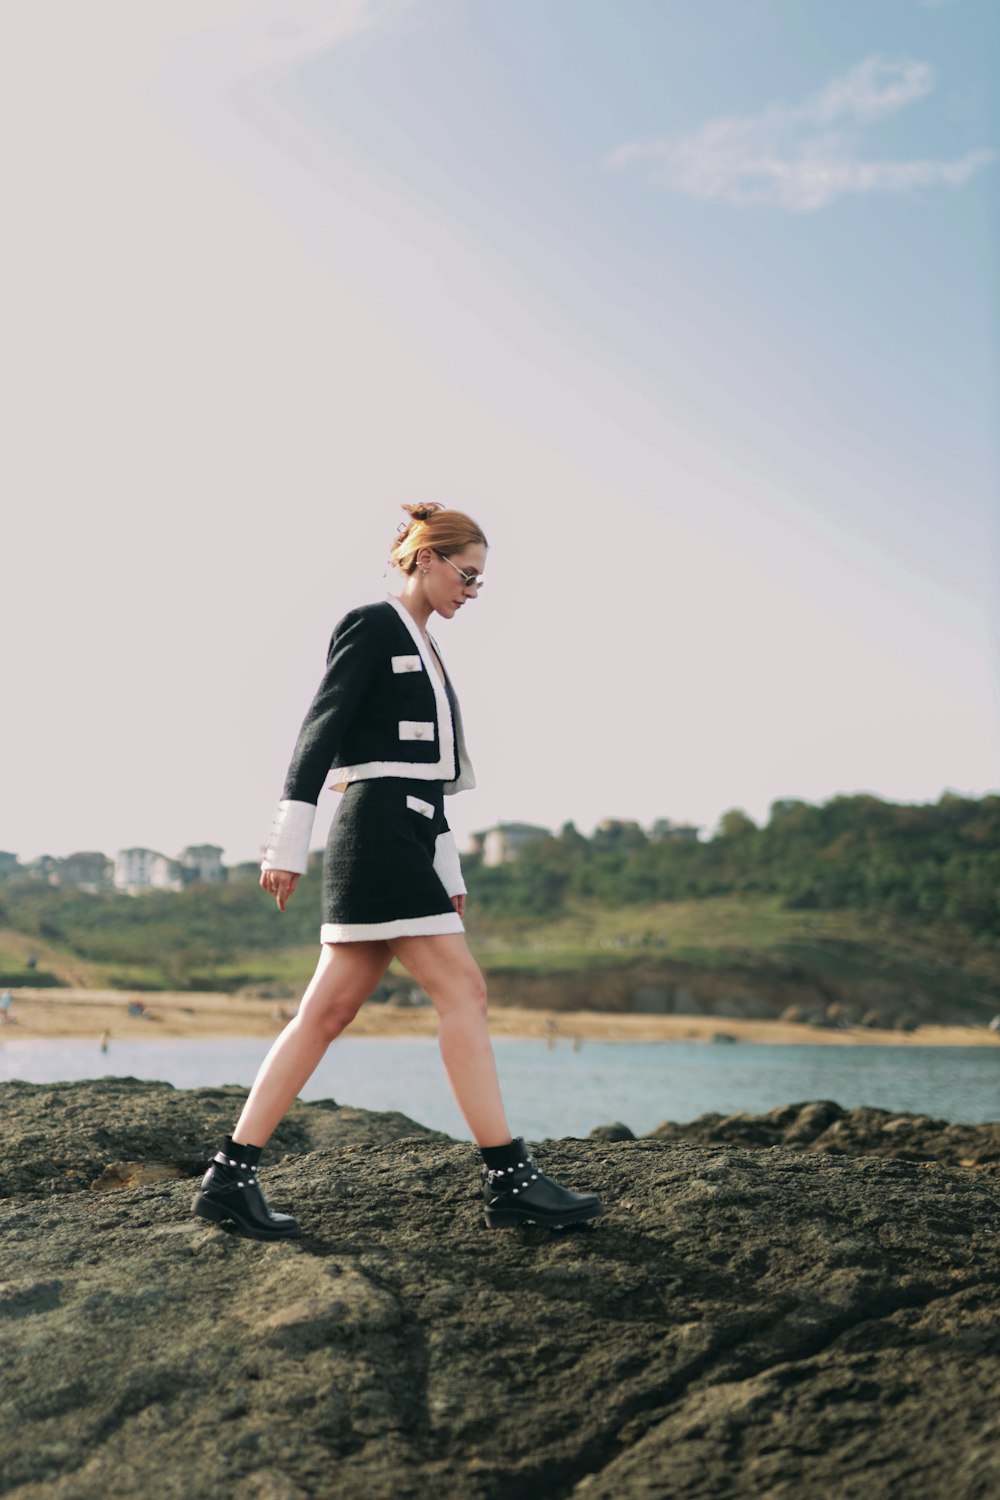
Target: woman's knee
column 339, row 989
column 478, row 989
column 327, row 1019
column 465, row 993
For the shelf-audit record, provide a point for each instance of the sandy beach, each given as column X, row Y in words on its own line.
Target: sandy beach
column 91, row 1013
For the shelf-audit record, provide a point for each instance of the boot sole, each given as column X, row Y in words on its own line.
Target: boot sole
column 503, row 1218
column 205, row 1208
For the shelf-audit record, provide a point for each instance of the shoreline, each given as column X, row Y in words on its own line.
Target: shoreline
column 86, row 1014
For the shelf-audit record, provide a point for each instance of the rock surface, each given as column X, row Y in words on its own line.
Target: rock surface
column 784, row 1322
column 822, row 1125
column 60, row 1137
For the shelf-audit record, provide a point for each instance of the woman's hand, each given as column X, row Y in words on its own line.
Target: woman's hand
column 458, row 902
column 280, row 884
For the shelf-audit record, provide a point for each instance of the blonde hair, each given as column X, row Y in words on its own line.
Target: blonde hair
column 434, row 526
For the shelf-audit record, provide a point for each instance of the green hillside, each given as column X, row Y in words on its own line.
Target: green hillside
column 854, row 891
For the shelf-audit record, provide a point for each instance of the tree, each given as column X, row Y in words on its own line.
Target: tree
column 736, row 824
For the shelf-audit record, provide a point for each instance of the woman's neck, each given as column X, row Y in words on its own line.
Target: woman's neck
column 417, row 607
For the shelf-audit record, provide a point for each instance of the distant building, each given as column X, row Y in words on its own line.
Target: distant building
column 134, row 869
column 166, row 874
column 9, row 865
column 89, row 870
column 147, row 869
column 664, row 828
column 205, row 860
column 44, row 868
column 499, row 845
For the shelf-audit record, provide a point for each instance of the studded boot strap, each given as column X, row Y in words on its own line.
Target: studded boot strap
column 512, row 1179
column 244, row 1169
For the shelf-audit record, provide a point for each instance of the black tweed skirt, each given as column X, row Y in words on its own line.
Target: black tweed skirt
column 379, row 879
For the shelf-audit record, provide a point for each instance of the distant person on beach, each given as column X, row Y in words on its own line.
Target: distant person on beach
column 386, row 729
column 5, row 1003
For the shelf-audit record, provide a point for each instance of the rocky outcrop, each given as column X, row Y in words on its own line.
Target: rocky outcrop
column 786, row 1322
column 822, row 1125
column 60, row 1137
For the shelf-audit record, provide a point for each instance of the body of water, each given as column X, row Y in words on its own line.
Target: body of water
column 559, row 1091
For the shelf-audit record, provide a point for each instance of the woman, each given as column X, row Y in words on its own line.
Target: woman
column 385, row 726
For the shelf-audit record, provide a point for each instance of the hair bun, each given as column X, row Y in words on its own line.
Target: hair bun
column 436, row 526
column 422, row 512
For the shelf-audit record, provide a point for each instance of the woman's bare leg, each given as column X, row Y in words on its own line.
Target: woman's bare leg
column 345, row 976
column 448, row 972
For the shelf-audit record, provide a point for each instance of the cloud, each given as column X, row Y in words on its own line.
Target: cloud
column 801, row 157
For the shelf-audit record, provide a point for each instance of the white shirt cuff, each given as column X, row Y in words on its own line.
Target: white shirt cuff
column 447, row 864
column 288, row 846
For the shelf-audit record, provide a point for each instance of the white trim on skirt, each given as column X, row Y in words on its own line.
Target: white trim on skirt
column 361, row 932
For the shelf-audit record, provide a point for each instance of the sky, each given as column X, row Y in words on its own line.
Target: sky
column 693, row 308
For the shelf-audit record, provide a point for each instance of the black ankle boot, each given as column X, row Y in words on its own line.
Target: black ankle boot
column 522, row 1192
column 230, row 1192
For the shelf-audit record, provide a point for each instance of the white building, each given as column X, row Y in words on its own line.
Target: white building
column 205, row 860
column 148, row 869
column 167, row 874
column 134, row 869
column 499, row 845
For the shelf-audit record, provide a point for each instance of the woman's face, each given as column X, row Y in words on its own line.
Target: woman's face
column 443, row 582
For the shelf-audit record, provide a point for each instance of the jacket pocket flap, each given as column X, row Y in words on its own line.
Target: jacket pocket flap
column 407, row 664
column 414, row 729
column 420, row 806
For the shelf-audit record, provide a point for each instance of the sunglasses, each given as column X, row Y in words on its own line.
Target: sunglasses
column 469, row 580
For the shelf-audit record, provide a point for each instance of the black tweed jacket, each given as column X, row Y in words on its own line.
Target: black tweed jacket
column 380, row 710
